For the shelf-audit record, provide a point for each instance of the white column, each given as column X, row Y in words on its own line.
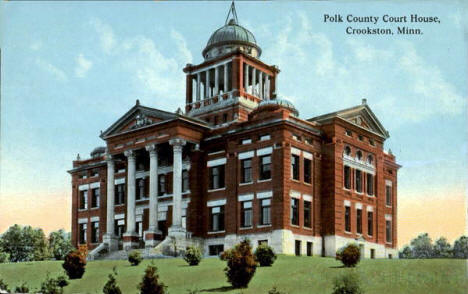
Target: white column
column 110, row 195
column 153, row 188
column 177, row 145
column 260, row 86
column 198, row 86
column 207, row 84
column 131, row 192
column 226, row 78
column 246, row 77
column 216, row 81
column 254, row 80
column 267, row 87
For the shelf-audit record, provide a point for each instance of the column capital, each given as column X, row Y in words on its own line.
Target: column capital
column 130, row 154
column 109, row 158
column 152, row 148
column 177, row 142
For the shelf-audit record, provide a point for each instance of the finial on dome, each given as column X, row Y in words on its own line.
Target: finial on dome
column 137, row 102
column 232, row 10
column 78, row 156
column 179, row 111
column 364, row 101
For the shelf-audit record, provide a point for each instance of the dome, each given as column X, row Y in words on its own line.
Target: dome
column 98, row 151
column 276, row 103
column 229, row 37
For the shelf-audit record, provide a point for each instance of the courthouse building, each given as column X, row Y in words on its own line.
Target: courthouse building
column 238, row 162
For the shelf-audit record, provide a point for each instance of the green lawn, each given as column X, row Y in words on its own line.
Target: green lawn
column 290, row 274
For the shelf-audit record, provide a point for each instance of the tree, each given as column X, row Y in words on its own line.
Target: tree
column 74, row 264
column 442, row 248
column 24, row 243
column 460, row 247
column 59, row 244
column 406, row 252
column 347, row 284
column 265, row 255
column 241, row 264
column 349, row 255
column 150, row 283
column 422, row 246
column 111, row 286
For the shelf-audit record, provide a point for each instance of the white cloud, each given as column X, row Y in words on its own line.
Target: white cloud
column 35, row 46
column 52, row 69
column 184, row 53
column 106, row 35
column 83, row 65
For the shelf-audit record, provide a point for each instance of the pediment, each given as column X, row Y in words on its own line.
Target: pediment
column 137, row 117
column 364, row 118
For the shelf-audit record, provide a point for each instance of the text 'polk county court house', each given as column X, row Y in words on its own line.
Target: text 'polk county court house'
column 238, row 163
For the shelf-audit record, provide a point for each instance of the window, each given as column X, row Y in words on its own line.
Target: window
column 361, row 138
column 307, row 214
column 246, row 170
column 265, row 167
column 95, row 232
column 246, row 141
column 225, row 118
column 185, row 180
column 217, row 177
column 370, row 223
column 265, row 212
column 217, row 218
column 246, row 212
column 95, row 173
column 161, row 185
column 84, row 199
column 347, row 177
column 349, row 133
column 359, row 221
column 388, row 195
column 371, row 142
column 296, row 137
column 215, row 249
column 295, row 211
column 215, row 122
column 265, row 138
column 310, row 248
column 370, row 184
column 120, row 194
column 347, row 151
column 358, row 181
column 95, row 198
column 307, row 170
column 139, row 228
column 140, row 192
column 83, row 229
column 297, row 248
column 359, row 155
column 370, row 160
column 372, row 253
column 119, row 227
column 308, row 141
column 388, row 231
column 348, row 219
column 295, row 167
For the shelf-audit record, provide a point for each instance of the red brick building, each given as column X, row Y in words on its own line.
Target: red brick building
column 238, row 163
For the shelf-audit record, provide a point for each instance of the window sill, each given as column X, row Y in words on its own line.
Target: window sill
column 141, row 199
column 308, row 184
column 263, row 181
column 245, row 184
column 94, row 208
column 295, row 226
column 370, row 236
column 346, row 232
column 359, row 193
column 217, row 232
column 307, row 228
column 263, row 226
column 346, row 189
column 297, row 181
column 215, row 190
column 370, row 196
column 82, row 209
column 388, row 206
column 245, row 228
column 118, row 205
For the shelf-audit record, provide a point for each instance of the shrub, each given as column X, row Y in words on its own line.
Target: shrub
column 62, row 281
column 4, row 286
column 241, row 264
column 23, row 288
column 111, row 286
column 347, row 284
column 74, row 265
column 265, row 255
column 349, row 255
column 51, row 286
column 150, row 283
column 4, row 257
column 193, row 255
column 135, row 257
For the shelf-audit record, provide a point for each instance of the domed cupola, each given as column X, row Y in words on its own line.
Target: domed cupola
column 230, row 37
column 275, row 104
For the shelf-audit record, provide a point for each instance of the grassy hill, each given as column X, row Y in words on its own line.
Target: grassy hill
column 289, row 274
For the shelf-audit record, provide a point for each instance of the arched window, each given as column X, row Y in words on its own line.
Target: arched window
column 347, row 151
column 359, row 155
column 370, row 160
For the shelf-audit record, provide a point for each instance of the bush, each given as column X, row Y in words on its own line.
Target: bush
column 135, row 257
column 150, row 283
column 265, row 255
column 349, row 255
column 111, row 286
column 53, row 286
column 23, row 288
column 347, row 284
column 241, row 264
column 4, row 257
column 74, row 265
column 193, row 255
column 4, row 286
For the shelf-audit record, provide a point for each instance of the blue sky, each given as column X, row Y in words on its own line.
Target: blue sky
column 71, row 69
